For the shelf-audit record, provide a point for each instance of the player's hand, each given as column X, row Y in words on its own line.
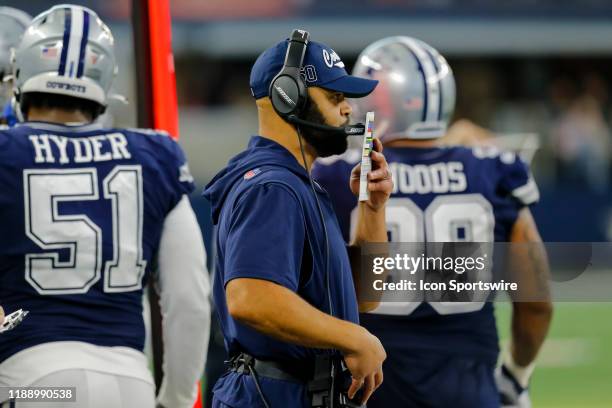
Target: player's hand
column 365, row 366
column 1, row 315
column 511, row 393
column 380, row 182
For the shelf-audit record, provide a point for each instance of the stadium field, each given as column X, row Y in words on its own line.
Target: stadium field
column 575, row 366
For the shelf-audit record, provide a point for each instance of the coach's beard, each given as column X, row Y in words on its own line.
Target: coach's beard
column 323, row 143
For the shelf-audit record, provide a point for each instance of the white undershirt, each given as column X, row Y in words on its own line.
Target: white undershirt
column 185, row 306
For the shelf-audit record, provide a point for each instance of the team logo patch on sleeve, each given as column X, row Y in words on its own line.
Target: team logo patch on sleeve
column 251, row 173
column 185, row 174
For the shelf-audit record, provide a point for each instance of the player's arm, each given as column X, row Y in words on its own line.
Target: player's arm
column 184, row 301
column 532, row 311
column 530, row 319
column 371, row 223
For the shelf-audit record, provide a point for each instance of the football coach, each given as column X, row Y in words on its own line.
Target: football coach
column 284, row 287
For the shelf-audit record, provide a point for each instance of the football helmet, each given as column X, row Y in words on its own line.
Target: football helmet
column 13, row 23
column 66, row 50
column 415, row 96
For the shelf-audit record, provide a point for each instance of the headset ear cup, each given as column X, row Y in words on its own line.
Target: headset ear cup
column 285, row 95
column 287, row 90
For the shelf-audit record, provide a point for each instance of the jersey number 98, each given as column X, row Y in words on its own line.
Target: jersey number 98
column 449, row 218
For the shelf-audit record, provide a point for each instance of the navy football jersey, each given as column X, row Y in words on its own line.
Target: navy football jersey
column 440, row 194
column 82, row 210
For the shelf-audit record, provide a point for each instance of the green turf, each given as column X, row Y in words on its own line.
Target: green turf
column 575, row 365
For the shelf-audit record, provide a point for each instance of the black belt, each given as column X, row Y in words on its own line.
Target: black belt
column 296, row 371
column 325, row 377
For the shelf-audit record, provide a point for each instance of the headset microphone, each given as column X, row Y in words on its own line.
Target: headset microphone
column 356, row 129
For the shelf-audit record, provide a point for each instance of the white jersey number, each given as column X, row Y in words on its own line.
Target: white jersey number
column 77, row 236
column 450, row 218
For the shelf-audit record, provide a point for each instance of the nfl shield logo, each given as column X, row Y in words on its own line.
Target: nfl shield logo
column 251, row 173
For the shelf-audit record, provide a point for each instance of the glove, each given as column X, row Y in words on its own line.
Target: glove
column 12, row 320
column 513, row 383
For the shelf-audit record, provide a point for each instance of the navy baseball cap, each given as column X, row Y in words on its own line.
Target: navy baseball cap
column 322, row 67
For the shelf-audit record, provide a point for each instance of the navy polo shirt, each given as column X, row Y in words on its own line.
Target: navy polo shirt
column 269, row 228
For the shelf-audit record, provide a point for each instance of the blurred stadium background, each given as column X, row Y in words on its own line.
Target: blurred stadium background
column 522, row 66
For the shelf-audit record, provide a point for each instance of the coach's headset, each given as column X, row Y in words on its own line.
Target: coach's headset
column 288, row 92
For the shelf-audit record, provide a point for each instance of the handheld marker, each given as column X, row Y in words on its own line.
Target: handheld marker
column 366, row 162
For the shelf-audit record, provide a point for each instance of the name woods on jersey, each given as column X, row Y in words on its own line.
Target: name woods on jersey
column 443, row 177
column 99, row 148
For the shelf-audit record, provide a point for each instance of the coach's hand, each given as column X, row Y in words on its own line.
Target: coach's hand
column 380, row 182
column 365, row 365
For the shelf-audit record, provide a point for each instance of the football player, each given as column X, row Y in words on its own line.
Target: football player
column 13, row 23
column 89, row 217
column 441, row 354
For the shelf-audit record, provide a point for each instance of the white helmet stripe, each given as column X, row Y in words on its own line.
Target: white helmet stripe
column 83, row 45
column 61, row 70
column 441, row 98
column 432, row 85
column 76, row 34
column 422, row 71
